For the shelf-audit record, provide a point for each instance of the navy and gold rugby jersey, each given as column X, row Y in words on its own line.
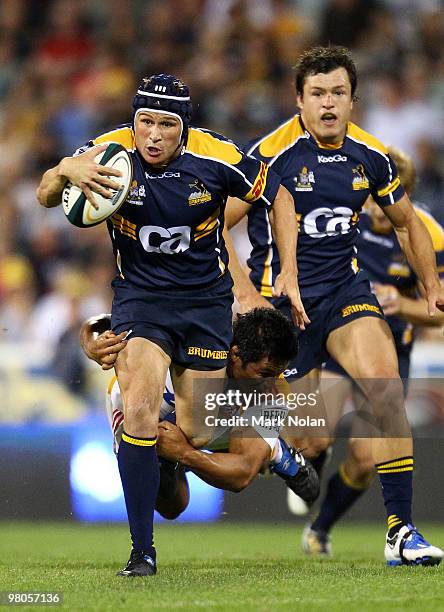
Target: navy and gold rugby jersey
column 384, row 262
column 168, row 232
column 329, row 187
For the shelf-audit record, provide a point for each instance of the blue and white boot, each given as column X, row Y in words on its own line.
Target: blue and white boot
column 297, row 472
column 409, row 547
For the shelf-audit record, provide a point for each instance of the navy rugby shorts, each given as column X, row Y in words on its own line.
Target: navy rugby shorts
column 352, row 300
column 193, row 326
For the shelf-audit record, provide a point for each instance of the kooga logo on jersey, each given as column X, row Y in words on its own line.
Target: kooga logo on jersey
column 164, row 175
column 323, row 159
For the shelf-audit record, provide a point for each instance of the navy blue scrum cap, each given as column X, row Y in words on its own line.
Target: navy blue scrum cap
column 167, row 94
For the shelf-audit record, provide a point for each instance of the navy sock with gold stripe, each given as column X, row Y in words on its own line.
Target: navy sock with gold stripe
column 341, row 495
column 396, row 478
column 139, row 472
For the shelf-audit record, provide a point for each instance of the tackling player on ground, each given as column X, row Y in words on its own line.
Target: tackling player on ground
column 263, row 343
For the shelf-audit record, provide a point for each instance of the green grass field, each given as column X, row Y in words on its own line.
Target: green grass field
column 220, row 567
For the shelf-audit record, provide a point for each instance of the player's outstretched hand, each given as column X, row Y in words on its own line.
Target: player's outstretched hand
column 286, row 284
column 171, row 441
column 252, row 300
column 435, row 299
column 84, row 172
column 105, row 348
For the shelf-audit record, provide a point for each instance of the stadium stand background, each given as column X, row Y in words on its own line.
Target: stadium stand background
column 68, row 70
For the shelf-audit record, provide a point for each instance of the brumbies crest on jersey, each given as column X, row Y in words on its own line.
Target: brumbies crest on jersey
column 168, row 233
column 329, row 186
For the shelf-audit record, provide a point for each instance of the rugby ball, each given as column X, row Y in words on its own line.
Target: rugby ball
column 79, row 211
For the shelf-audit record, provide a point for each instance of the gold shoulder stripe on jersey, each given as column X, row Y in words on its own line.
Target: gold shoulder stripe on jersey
column 279, row 140
column 259, row 184
column 390, row 188
column 124, row 136
column 207, row 145
column 434, row 228
column 356, row 133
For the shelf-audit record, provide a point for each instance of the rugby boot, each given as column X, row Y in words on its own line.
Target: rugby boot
column 139, row 564
column 298, row 473
column 408, row 547
column 316, row 543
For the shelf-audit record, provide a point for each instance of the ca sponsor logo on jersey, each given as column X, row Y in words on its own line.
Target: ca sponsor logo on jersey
column 360, row 180
column 169, row 241
column 164, row 175
column 325, row 159
column 136, row 194
column 200, row 195
column 324, row 221
column 290, row 372
column 305, row 180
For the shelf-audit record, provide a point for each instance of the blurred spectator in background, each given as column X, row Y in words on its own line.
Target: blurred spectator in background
column 400, row 100
column 17, row 298
column 347, row 22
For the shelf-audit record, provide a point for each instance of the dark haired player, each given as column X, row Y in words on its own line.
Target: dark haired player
column 263, row 344
column 397, row 290
column 331, row 166
column 172, row 288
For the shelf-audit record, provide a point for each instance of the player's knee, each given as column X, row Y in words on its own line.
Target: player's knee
column 360, row 479
column 364, row 468
column 313, row 447
column 358, row 470
column 385, row 393
column 378, row 371
column 360, row 454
